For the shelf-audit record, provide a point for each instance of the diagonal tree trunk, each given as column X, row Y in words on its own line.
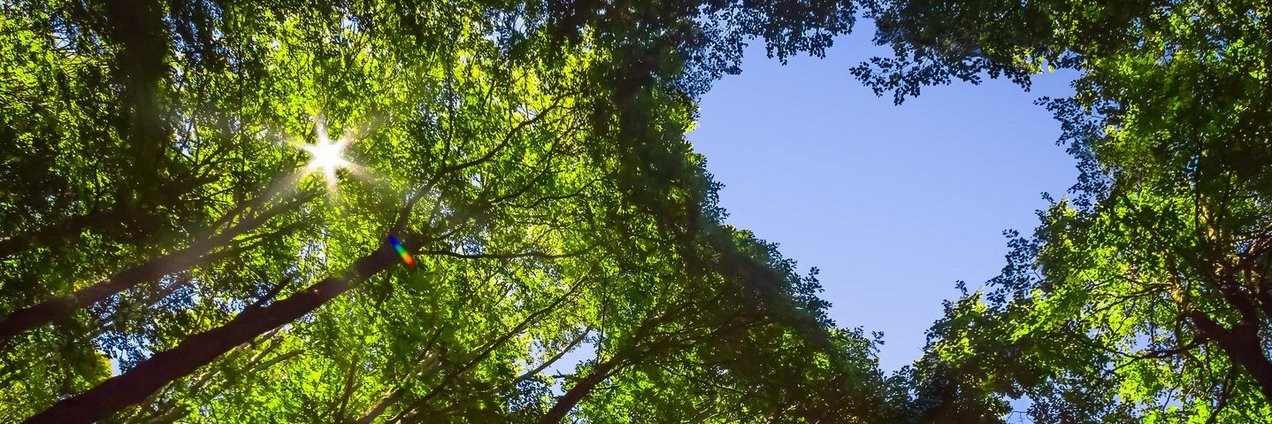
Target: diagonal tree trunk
column 195, row 351
column 552, row 360
column 580, row 390
column 1242, row 345
column 54, row 309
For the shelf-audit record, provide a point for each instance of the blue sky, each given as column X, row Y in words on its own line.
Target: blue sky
column 893, row 203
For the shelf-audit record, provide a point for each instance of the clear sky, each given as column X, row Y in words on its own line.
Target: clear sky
column 893, row 203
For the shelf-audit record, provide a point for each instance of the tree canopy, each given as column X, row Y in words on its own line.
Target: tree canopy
column 394, row 211
column 170, row 224
column 1146, row 296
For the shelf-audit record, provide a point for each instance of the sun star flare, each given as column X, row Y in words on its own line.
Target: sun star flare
column 327, row 156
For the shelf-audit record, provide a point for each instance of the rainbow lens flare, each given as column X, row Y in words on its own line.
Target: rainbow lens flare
column 406, row 257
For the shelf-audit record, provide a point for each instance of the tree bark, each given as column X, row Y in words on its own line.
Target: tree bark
column 198, row 350
column 1243, row 347
column 556, row 357
column 580, row 390
column 50, row 310
column 380, row 406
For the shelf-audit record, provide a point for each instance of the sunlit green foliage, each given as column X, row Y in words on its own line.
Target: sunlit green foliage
column 1146, row 297
column 159, row 209
column 159, row 221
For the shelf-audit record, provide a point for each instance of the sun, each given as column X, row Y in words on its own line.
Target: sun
column 327, row 156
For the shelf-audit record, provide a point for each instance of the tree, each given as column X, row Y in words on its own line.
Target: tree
column 1145, row 297
column 190, row 249
column 721, row 363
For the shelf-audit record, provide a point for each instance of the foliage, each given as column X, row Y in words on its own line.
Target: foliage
column 1145, row 298
column 162, row 226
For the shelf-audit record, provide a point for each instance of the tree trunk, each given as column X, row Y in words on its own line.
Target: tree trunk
column 580, row 390
column 380, row 406
column 54, row 309
column 50, row 310
column 1243, row 347
column 198, row 350
column 548, row 362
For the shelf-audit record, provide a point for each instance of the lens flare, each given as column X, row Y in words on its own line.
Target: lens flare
column 406, row 257
column 326, row 156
